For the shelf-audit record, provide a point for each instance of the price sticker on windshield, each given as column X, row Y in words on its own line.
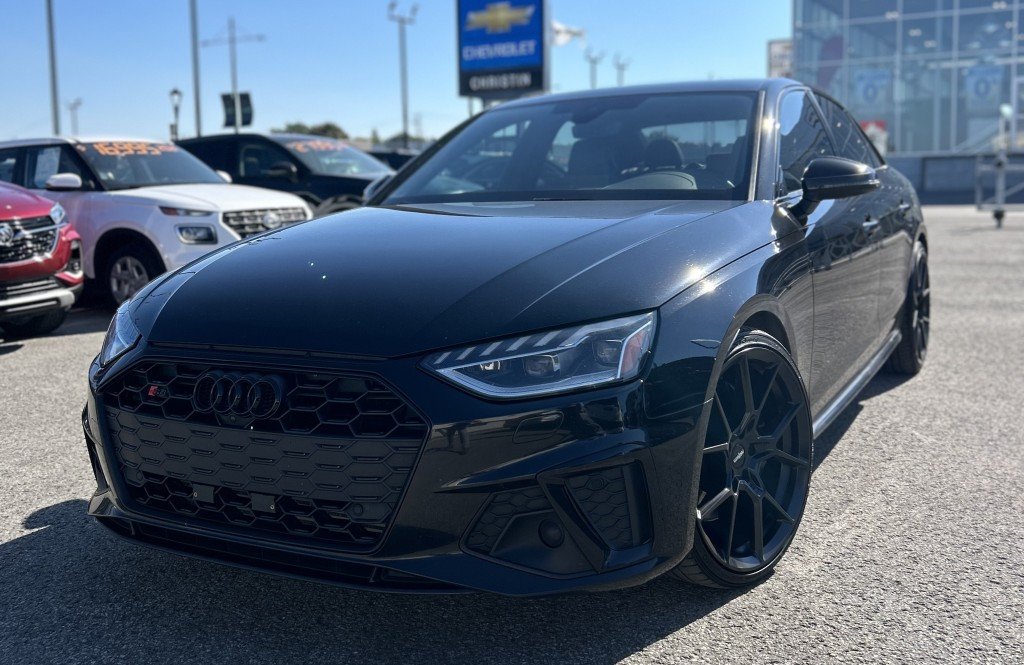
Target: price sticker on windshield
column 127, row 148
column 316, row 145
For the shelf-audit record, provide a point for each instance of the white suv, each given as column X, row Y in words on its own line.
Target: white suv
column 143, row 207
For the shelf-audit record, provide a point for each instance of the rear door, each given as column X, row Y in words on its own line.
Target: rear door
column 843, row 254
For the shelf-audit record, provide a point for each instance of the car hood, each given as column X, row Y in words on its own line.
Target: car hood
column 18, row 203
column 387, row 282
column 214, row 196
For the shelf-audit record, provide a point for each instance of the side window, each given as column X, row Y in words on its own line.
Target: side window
column 47, row 161
column 802, row 137
column 255, row 158
column 216, row 155
column 850, row 140
column 8, row 159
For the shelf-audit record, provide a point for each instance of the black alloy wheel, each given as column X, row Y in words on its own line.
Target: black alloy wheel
column 915, row 324
column 756, row 467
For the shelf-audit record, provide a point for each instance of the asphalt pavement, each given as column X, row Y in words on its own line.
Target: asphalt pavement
column 910, row 550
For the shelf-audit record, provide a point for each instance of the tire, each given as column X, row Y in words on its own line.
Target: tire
column 758, row 449
column 128, row 269
column 915, row 319
column 43, row 324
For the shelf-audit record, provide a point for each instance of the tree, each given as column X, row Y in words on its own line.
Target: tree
column 329, row 129
column 375, row 137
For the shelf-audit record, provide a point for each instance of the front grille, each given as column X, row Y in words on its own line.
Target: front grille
column 32, row 237
column 329, row 466
column 15, row 289
column 250, row 222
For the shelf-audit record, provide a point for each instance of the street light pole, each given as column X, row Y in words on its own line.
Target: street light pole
column 620, row 69
column 54, row 103
column 194, row 21
column 232, row 42
column 593, row 59
column 234, row 72
column 176, row 108
column 73, row 112
column 403, row 20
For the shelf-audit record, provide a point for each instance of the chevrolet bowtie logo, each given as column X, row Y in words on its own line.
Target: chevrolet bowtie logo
column 499, row 17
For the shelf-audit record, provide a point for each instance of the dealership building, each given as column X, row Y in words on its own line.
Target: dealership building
column 926, row 77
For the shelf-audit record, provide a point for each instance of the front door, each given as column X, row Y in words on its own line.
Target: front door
column 843, row 253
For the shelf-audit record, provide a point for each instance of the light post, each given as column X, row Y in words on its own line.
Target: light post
column 593, row 59
column 403, row 20
column 232, row 41
column 54, row 104
column 620, row 69
column 176, row 109
column 73, row 112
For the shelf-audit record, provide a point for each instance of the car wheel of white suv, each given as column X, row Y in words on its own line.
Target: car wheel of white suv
column 129, row 269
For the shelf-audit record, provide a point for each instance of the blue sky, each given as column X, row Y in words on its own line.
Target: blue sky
column 335, row 60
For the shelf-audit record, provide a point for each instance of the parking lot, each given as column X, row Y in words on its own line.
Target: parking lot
column 910, row 548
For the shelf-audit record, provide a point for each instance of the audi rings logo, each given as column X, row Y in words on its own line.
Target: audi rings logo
column 243, row 395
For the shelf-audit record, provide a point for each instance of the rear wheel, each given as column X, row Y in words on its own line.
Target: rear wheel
column 915, row 320
column 35, row 326
column 755, row 468
column 129, row 269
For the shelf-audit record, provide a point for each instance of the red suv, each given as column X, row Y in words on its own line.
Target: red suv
column 40, row 263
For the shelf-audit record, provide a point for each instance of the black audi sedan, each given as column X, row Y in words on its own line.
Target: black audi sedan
column 582, row 341
column 330, row 175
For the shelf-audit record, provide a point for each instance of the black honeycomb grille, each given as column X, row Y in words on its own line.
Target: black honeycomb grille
column 604, row 499
column 500, row 511
column 329, row 466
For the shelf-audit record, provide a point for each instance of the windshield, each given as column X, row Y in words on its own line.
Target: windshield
column 129, row 164
column 332, row 157
column 656, row 146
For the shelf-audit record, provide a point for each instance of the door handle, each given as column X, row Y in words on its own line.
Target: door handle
column 870, row 225
column 903, row 207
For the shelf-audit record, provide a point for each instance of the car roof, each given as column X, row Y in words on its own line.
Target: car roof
column 71, row 140
column 771, row 85
column 273, row 136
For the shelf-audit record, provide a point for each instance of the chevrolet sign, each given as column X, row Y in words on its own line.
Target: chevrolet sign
column 501, row 48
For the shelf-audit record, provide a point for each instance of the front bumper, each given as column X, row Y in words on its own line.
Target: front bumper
column 524, row 498
column 36, row 301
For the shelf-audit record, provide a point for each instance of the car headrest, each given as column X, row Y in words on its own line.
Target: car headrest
column 591, row 157
column 663, row 153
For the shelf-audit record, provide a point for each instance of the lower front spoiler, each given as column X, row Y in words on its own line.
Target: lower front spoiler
column 35, row 304
column 414, row 575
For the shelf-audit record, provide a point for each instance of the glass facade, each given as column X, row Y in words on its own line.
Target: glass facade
column 933, row 73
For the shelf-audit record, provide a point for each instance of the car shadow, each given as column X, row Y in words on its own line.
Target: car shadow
column 826, row 442
column 79, row 594
column 79, row 322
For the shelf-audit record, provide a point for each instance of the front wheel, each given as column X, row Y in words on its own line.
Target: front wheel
column 755, row 467
column 129, row 269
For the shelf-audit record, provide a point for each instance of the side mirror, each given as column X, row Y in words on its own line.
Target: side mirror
column 829, row 178
column 225, row 176
column 375, row 186
column 64, row 182
column 285, row 170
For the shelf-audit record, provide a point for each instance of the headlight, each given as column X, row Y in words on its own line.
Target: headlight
column 552, row 361
column 57, row 214
column 184, row 212
column 197, row 235
column 122, row 335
